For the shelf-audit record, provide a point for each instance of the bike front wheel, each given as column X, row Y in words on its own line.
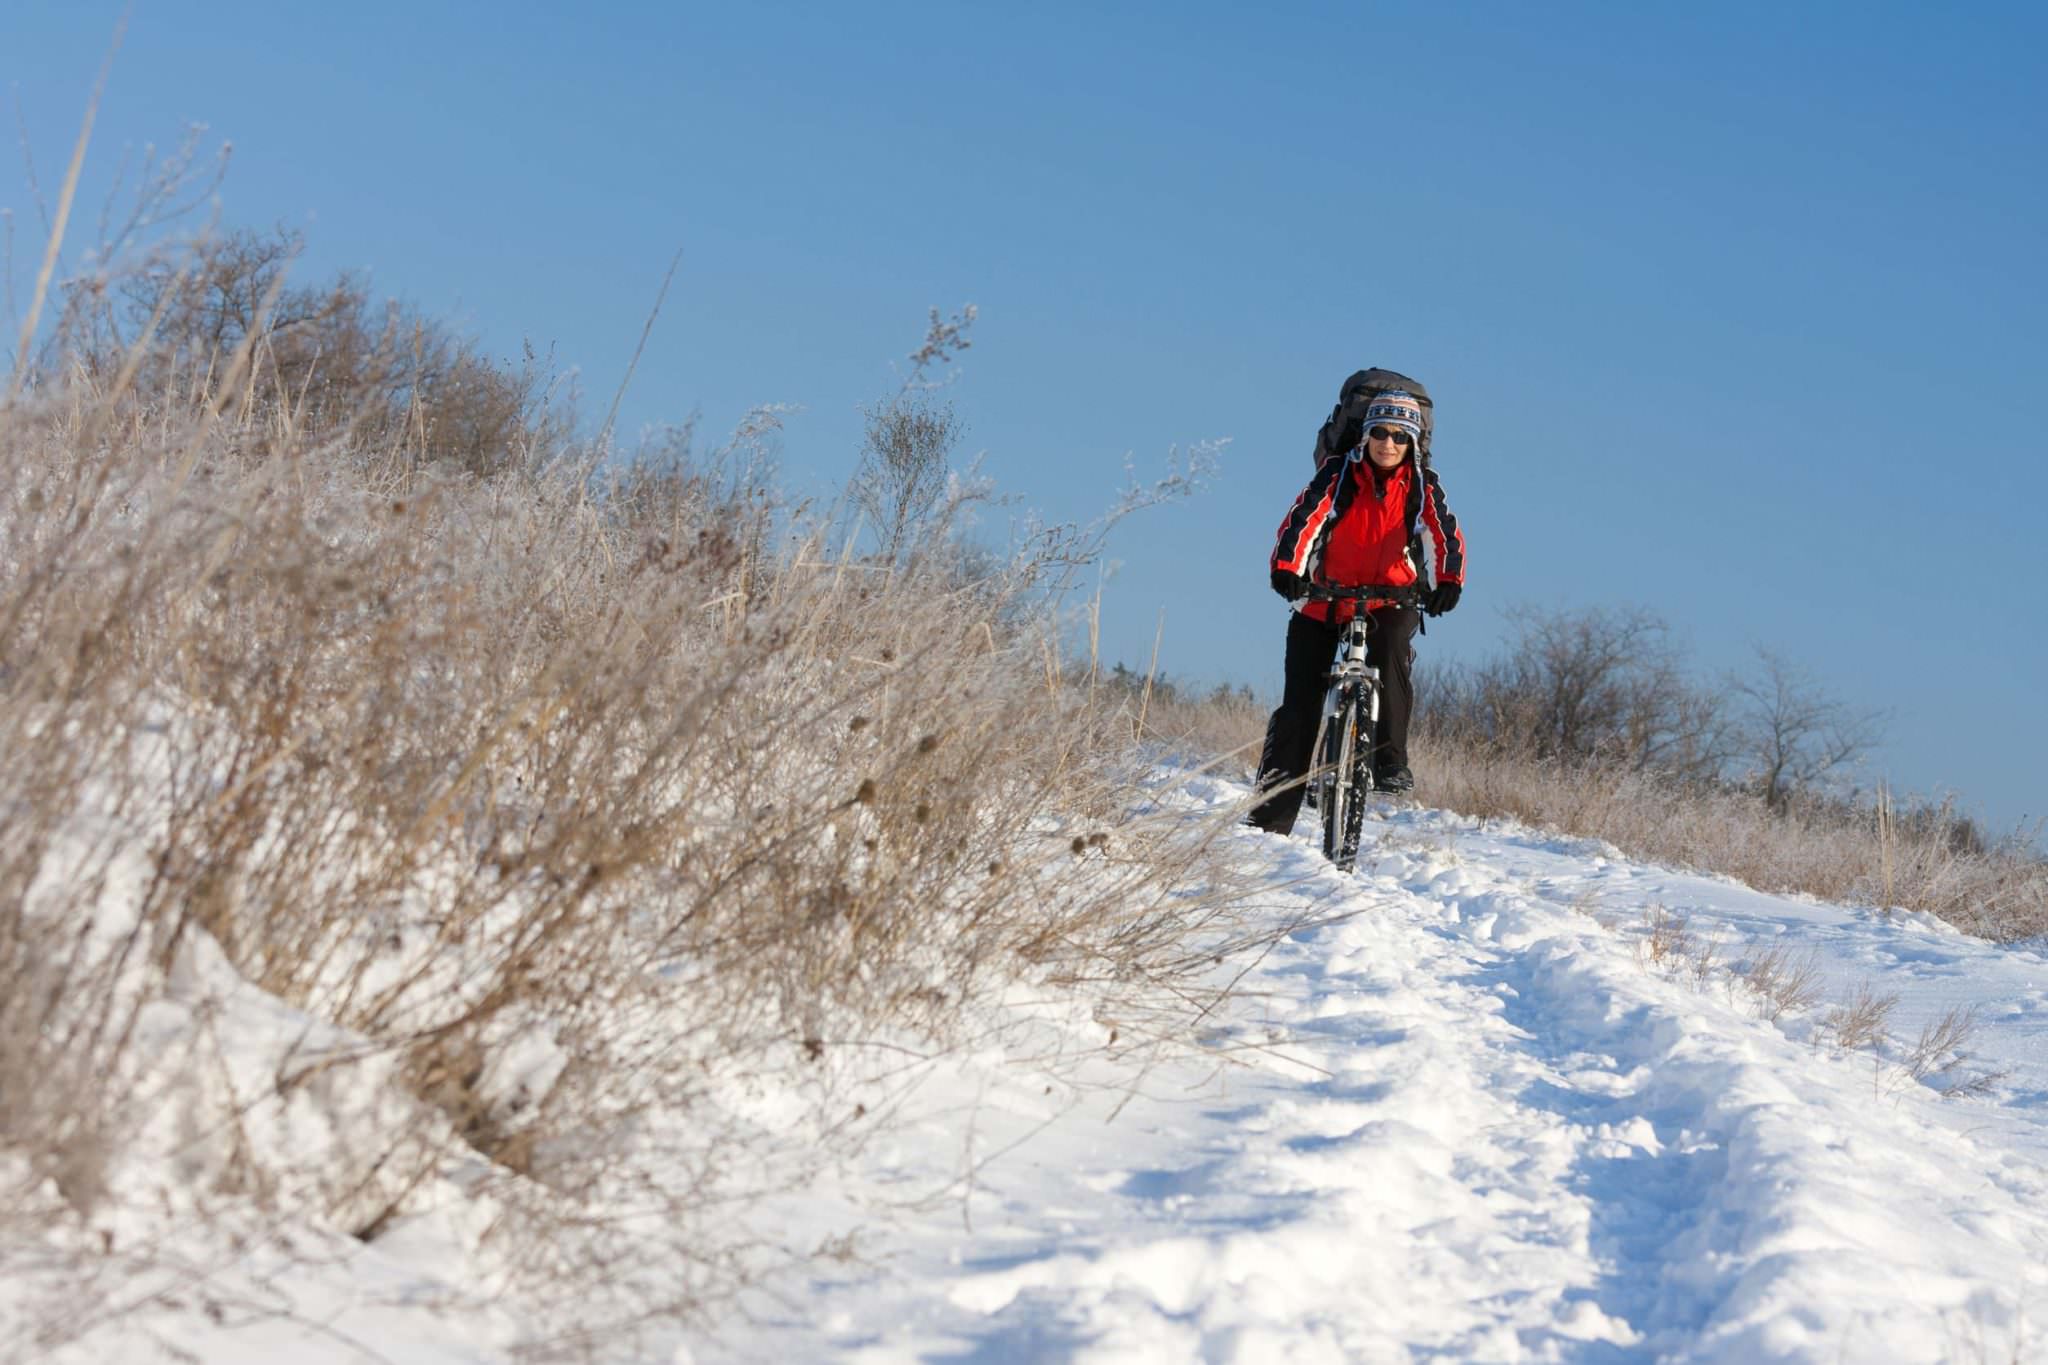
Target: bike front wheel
column 1359, row 789
column 1341, row 803
column 1345, row 784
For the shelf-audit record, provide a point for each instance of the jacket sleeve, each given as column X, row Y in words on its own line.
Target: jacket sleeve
column 1443, row 530
column 1294, row 549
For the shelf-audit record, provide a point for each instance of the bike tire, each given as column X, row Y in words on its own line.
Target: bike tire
column 1360, row 790
column 1316, row 794
column 1343, row 804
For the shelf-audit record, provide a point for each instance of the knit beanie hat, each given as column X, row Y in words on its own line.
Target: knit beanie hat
column 1395, row 408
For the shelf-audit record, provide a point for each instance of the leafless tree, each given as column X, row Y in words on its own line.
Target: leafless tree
column 1795, row 736
column 327, row 353
column 145, row 202
column 1607, row 684
column 904, row 469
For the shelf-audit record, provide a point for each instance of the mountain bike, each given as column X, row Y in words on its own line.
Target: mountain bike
column 1341, row 779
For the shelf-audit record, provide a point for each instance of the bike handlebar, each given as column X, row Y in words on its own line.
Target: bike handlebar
column 1406, row 594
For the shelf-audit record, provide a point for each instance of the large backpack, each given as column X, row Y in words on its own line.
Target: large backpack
column 1346, row 427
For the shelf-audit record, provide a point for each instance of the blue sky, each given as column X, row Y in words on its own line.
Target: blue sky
column 1733, row 312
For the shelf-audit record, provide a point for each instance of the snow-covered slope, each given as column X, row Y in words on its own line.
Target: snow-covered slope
column 1484, row 1112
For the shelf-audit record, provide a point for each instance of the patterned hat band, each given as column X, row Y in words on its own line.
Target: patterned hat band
column 1395, row 410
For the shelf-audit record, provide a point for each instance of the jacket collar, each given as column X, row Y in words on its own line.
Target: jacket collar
column 1363, row 470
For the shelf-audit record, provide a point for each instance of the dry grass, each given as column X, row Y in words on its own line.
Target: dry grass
column 1939, row 1057
column 1782, row 980
column 1222, row 731
column 1667, row 939
column 1667, row 943
column 635, row 774
column 1861, row 1022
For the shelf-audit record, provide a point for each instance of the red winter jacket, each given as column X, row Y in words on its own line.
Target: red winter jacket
column 1342, row 530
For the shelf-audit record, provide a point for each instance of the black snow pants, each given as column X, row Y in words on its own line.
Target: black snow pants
column 1291, row 733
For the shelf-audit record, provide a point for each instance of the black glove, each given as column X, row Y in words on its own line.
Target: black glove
column 1291, row 586
column 1442, row 598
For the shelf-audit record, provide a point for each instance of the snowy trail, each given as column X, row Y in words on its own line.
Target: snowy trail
column 1485, row 1127
column 1471, row 1117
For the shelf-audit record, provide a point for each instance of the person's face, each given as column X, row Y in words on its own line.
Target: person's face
column 1387, row 446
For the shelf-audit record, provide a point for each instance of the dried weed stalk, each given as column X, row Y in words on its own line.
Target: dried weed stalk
column 1939, row 1055
column 1781, row 979
column 1667, row 938
column 1862, row 1021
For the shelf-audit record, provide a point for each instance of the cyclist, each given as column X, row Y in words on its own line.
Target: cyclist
column 1356, row 523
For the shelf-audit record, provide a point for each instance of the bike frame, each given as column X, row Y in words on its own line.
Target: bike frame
column 1350, row 675
column 1351, row 704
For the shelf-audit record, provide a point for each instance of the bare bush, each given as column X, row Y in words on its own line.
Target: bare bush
column 1603, row 687
column 323, row 361
column 1610, row 689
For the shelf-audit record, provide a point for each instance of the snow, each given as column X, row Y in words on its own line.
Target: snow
column 1473, row 1116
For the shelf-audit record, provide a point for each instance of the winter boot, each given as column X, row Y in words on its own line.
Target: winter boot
column 1397, row 779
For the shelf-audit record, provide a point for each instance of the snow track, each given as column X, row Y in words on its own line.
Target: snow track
column 1482, row 1125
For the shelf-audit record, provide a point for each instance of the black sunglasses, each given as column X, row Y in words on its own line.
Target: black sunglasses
column 1394, row 434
